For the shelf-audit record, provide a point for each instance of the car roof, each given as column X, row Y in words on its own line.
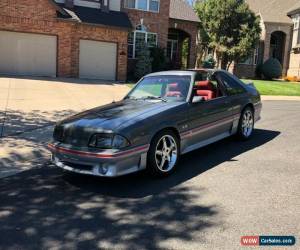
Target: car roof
column 181, row 72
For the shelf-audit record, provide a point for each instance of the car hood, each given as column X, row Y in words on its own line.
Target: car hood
column 75, row 129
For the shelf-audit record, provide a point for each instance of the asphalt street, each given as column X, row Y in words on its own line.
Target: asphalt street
column 218, row 194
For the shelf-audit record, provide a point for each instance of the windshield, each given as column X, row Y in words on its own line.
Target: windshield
column 163, row 88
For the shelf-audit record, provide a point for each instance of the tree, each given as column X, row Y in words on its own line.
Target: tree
column 144, row 61
column 185, row 53
column 159, row 59
column 209, row 62
column 230, row 27
column 202, row 45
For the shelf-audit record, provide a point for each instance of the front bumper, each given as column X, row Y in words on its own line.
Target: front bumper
column 107, row 163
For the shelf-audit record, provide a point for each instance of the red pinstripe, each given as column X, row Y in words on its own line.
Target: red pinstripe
column 96, row 155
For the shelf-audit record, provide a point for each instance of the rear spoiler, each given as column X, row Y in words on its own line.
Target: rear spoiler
column 251, row 85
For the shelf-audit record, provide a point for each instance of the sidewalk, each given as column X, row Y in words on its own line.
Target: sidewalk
column 280, row 98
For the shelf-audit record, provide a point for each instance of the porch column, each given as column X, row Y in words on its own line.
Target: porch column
column 286, row 54
column 192, row 52
column 267, row 47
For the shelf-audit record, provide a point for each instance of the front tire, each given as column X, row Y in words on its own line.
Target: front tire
column 246, row 124
column 163, row 154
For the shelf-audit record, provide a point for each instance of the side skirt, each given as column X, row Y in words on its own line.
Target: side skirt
column 206, row 142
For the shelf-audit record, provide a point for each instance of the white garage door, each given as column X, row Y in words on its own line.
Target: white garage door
column 97, row 60
column 27, row 54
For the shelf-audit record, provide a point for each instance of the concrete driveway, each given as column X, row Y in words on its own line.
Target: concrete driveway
column 30, row 107
column 218, row 194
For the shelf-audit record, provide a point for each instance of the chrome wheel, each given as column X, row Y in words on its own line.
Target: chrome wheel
column 247, row 123
column 166, row 153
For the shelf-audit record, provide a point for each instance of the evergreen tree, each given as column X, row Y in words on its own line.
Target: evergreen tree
column 144, row 61
column 230, row 27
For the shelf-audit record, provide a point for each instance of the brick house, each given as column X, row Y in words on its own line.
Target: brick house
column 90, row 38
column 279, row 38
column 294, row 62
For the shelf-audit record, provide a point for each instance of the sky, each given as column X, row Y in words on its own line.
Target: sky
column 189, row 1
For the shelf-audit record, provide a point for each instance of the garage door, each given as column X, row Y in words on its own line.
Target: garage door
column 27, row 54
column 97, row 60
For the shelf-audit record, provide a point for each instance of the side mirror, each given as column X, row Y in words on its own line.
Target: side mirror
column 197, row 99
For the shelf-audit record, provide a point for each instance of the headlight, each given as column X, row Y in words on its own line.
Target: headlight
column 108, row 141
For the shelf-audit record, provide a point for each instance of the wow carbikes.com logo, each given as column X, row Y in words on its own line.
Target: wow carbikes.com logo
column 268, row 240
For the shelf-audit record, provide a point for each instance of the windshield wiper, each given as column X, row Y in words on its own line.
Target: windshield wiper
column 151, row 97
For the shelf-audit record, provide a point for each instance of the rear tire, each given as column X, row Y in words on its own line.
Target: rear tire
column 163, row 154
column 246, row 124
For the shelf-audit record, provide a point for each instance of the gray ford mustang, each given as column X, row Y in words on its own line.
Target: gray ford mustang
column 165, row 115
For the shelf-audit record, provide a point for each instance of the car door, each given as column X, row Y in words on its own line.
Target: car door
column 210, row 120
column 236, row 93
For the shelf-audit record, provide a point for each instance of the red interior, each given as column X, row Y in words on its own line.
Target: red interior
column 173, row 90
column 205, row 89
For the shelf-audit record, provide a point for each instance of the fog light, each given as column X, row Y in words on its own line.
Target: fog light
column 102, row 169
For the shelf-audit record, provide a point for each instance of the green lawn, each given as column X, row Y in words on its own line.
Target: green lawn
column 276, row 87
column 270, row 87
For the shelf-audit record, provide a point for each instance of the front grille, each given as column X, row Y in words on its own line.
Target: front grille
column 71, row 135
column 78, row 166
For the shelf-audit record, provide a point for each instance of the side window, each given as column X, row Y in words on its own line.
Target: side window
column 207, row 86
column 232, row 87
column 214, row 81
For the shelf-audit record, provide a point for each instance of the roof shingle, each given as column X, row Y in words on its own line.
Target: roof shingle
column 295, row 9
column 96, row 16
column 272, row 10
column 180, row 9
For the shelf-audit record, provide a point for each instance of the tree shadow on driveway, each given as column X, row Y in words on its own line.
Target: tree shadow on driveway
column 18, row 122
column 190, row 165
column 44, row 208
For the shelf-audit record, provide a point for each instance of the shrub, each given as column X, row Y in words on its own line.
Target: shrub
column 209, row 62
column 258, row 70
column 272, row 69
column 144, row 62
column 159, row 60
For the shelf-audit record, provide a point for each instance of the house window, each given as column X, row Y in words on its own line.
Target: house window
column 130, row 4
column 130, row 44
column 137, row 38
column 142, row 4
column 141, row 27
column 253, row 58
column 151, row 40
column 296, row 33
column 172, row 49
column 154, row 5
column 140, row 40
column 145, row 5
column 296, row 22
